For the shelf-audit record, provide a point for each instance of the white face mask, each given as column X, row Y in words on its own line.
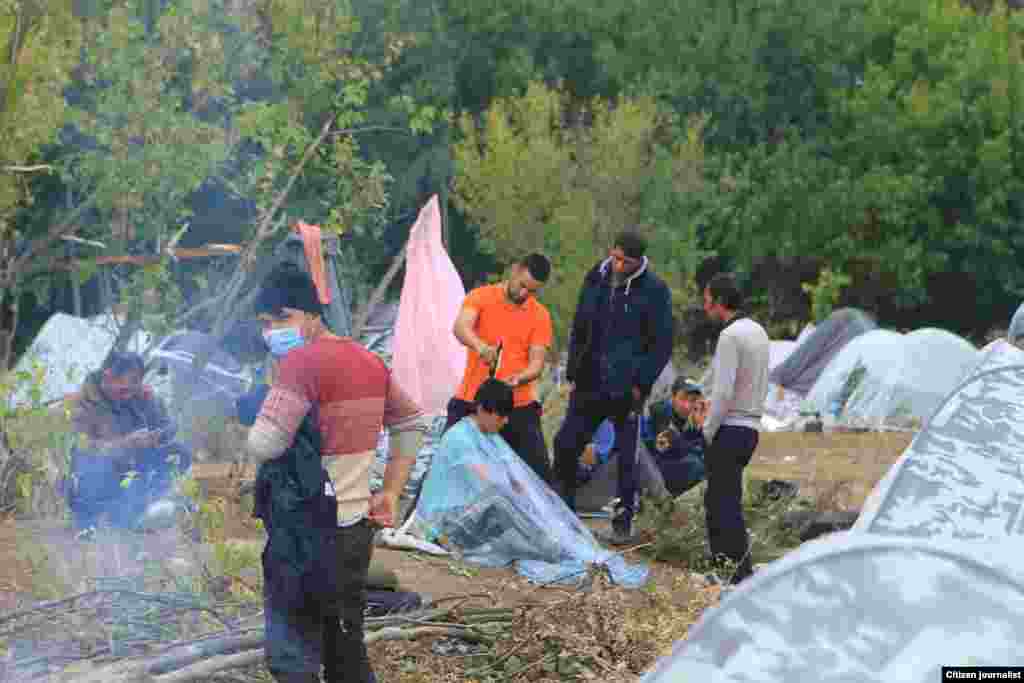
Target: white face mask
column 282, row 340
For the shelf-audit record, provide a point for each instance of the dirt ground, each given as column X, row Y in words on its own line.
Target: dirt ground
column 42, row 559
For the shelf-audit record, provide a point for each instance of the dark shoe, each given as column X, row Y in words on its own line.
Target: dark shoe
column 622, row 530
column 287, row 677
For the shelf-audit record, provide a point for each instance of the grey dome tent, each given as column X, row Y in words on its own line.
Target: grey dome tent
column 1015, row 333
column 963, row 475
column 887, row 380
column 802, row 367
column 856, row 608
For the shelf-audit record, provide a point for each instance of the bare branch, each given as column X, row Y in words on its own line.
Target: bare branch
column 79, row 240
column 266, row 228
column 364, row 311
column 370, row 129
column 28, row 169
column 54, row 233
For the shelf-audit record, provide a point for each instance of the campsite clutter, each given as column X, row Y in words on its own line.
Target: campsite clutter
column 937, row 516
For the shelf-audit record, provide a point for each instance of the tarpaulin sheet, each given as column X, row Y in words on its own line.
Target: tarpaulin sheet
column 481, row 501
column 427, row 360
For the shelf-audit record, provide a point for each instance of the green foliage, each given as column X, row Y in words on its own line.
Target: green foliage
column 35, row 445
column 151, row 150
column 825, row 293
column 40, row 42
column 532, row 181
column 677, row 534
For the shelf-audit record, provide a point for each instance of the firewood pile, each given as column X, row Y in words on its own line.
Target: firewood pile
column 118, row 635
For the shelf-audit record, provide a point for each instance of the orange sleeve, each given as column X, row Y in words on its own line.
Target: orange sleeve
column 477, row 299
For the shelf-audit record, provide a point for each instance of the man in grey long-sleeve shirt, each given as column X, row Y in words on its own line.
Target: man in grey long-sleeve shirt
column 739, row 387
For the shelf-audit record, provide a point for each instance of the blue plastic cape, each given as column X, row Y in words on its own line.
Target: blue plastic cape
column 484, row 503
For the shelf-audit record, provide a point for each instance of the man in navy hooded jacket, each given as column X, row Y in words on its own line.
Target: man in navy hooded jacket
column 621, row 340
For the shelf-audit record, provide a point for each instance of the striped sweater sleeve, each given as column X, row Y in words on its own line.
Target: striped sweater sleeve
column 401, row 413
column 287, row 404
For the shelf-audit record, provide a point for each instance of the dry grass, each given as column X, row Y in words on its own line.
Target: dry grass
column 837, row 470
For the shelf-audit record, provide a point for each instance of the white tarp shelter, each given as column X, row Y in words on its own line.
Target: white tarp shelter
column 69, row 348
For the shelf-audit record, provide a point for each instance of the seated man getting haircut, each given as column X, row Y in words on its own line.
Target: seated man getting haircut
column 127, row 455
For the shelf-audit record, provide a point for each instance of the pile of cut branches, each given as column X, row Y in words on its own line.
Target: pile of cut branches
column 236, row 644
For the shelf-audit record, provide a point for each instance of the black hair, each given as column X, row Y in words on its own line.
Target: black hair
column 725, row 291
column 538, row 266
column 494, row 396
column 121, row 363
column 683, row 384
column 288, row 287
column 631, row 242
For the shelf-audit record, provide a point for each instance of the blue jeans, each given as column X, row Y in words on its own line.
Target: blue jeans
column 122, row 487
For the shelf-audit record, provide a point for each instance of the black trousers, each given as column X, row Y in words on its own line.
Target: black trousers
column 523, row 433
column 328, row 632
column 587, row 410
column 724, row 461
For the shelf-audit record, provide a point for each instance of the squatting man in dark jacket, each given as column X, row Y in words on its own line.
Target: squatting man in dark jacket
column 673, row 436
column 620, row 341
column 315, row 604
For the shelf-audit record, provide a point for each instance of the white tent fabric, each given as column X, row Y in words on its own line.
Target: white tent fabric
column 817, row 346
column 886, row 380
column 996, row 354
column 69, row 348
column 781, row 405
column 963, row 475
column 854, row 608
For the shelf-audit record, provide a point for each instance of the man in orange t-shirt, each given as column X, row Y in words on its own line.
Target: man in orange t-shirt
column 508, row 332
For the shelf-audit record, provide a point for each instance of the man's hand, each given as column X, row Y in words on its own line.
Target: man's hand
column 663, row 441
column 488, row 353
column 699, row 412
column 589, row 457
column 515, row 380
column 384, row 508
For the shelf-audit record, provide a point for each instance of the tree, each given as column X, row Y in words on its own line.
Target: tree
column 918, row 181
column 40, row 41
column 540, row 172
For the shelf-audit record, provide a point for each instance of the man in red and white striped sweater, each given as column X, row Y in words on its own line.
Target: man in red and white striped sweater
column 353, row 395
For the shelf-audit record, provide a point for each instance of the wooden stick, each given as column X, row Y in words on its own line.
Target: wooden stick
column 378, row 293
column 28, row 169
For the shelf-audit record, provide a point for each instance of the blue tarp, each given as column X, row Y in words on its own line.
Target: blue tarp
column 485, row 504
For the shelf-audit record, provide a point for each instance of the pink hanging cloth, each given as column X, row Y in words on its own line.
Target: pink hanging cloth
column 313, row 248
column 427, row 359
